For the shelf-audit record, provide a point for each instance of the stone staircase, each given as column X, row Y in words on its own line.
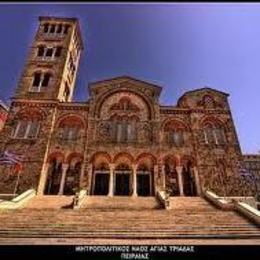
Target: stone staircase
column 49, row 202
column 120, row 202
column 120, row 218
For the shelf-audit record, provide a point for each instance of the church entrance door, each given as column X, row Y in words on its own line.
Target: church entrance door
column 122, row 184
column 143, row 184
column 101, row 184
column 189, row 186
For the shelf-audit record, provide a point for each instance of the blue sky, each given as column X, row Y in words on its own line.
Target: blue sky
column 177, row 46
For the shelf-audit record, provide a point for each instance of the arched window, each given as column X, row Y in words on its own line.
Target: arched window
column 52, row 29
column 40, row 81
column 59, row 28
column 174, row 133
column 49, row 53
column 69, row 128
column 46, row 28
column 40, row 51
column 124, row 129
column 214, row 133
column 27, row 129
column 175, row 137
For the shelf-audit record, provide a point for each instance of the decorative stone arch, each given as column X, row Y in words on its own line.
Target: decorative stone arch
column 144, row 157
column 124, row 158
column 176, row 123
column 72, row 175
column 176, row 159
column 56, row 155
column 74, row 118
column 145, row 174
column 211, row 120
column 44, row 70
column 102, row 156
column 109, row 93
column 78, row 157
column 31, row 113
column 53, row 182
column 124, row 102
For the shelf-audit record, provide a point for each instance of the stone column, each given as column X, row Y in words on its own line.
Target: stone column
column 65, row 167
column 180, row 182
column 155, row 179
column 43, row 178
column 197, row 181
column 82, row 177
column 111, row 179
column 134, row 180
column 90, row 176
column 163, row 177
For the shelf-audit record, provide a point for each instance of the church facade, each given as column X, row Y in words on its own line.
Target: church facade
column 121, row 141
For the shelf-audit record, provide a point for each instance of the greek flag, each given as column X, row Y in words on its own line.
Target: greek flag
column 8, row 158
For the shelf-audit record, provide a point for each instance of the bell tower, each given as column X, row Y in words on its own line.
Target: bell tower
column 52, row 63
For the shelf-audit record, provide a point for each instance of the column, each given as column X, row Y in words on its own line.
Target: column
column 82, row 183
column 65, row 167
column 43, row 178
column 111, row 179
column 179, row 172
column 134, row 180
column 163, row 177
column 197, row 182
column 155, row 180
column 90, row 179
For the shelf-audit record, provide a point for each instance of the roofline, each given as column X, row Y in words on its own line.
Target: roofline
column 128, row 77
column 70, row 19
column 199, row 89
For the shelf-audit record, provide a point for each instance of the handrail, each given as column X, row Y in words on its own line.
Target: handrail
column 79, row 198
column 242, row 207
column 163, row 199
column 18, row 201
column 218, row 201
column 248, row 211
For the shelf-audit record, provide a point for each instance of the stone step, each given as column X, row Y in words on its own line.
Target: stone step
column 51, row 202
column 124, row 218
column 113, row 235
column 119, row 202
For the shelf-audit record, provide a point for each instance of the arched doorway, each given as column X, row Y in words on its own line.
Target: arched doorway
column 189, row 184
column 144, row 181
column 172, row 182
column 54, row 178
column 72, row 181
column 123, row 179
column 101, row 180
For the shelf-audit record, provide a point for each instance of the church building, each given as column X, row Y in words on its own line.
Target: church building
column 121, row 141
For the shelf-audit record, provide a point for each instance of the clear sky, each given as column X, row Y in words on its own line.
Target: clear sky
column 177, row 46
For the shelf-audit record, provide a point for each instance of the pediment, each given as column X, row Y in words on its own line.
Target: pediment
column 124, row 83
